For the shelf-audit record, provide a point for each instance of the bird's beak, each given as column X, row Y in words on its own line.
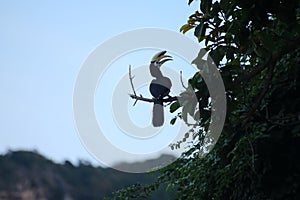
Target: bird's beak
column 161, row 58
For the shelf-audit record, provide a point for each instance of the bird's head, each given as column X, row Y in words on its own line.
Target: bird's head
column 160, row 58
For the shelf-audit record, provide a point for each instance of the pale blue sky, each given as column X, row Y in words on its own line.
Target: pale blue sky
column 42, row 47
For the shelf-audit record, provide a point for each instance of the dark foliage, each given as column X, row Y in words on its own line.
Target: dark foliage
column 256, row 46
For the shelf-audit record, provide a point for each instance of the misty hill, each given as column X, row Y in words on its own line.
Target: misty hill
column 28, row 175
column 148, row 165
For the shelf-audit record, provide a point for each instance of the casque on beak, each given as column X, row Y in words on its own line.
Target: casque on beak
column 160, row 58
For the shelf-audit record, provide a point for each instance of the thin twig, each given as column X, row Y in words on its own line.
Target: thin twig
column 182, row 81
column 131, row 82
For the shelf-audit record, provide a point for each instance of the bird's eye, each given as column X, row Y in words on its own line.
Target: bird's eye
column 156, row 63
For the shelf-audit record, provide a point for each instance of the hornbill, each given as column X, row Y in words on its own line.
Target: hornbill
column 159, row 87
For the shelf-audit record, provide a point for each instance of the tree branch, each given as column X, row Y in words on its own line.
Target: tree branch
column 251, row 74
column 274, row 58
column 270, row 65
column 262, row 93
column 141, row 98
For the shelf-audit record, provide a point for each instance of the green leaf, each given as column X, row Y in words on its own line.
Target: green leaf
column 174, row 106
column 205, row 6
column 200, row 31
column 217, row 55
column 233, row 28
column 172, row 122
column 187, row 134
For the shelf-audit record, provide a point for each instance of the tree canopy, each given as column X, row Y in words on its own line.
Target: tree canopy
column 256, row 47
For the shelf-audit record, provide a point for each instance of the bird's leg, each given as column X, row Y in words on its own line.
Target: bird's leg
column 155, row 100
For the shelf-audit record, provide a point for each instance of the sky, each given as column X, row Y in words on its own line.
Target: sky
column 43, row 45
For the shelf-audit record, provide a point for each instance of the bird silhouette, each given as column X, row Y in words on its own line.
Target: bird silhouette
column 159, row 87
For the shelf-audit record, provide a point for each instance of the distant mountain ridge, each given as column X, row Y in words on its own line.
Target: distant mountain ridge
column 26, row 175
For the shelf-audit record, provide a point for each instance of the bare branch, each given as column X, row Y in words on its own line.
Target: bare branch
column 141, row 98
column 182, row 81
column 131, row 82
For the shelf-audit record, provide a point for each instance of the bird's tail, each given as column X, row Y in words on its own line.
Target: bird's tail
column 158, row 113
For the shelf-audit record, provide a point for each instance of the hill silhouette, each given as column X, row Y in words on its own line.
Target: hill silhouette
column 26, row 175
